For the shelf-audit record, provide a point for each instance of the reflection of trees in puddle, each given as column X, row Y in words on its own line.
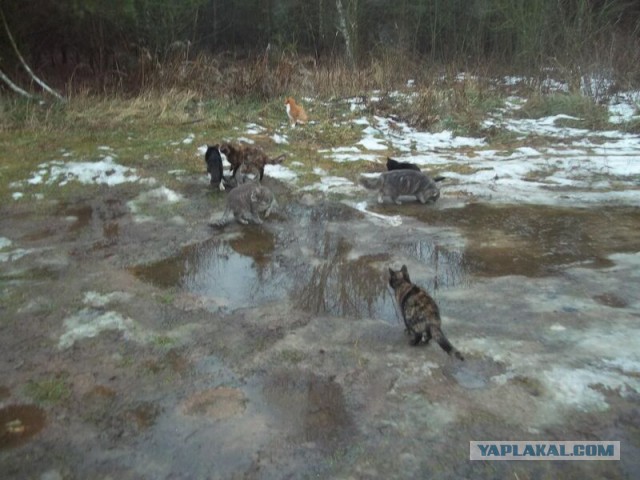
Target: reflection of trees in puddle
column 338, row 285
column 256, row 243
column 237, row 271
column 449, row 267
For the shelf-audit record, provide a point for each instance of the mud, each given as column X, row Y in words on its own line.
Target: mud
column 276, row 351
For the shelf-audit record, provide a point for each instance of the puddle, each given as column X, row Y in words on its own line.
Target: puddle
column 610, row 299
column 215, row 269
column 534, row 240
column 215, row 403
column 18, row 423
column 330, row 261
column 313, row 407
column 317, row 274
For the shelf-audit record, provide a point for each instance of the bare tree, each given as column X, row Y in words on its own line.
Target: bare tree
column 44, row 86
column 13, row 86
column 345, row 28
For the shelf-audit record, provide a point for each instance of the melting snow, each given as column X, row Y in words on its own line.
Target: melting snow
column 393, row 220
column 280, row 172
column 104, row 172
column 333, row 185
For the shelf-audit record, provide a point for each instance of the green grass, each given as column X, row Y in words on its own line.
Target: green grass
column 52, row 390
column 147, row 132
column 588, row 113
column 291, row 357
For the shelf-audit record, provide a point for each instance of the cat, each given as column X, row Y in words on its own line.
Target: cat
column 419, row 311
column 295, row 112
column 247, row 202
column 396, row 165
column 403, row 182
column 214, row 166
column 249, row 157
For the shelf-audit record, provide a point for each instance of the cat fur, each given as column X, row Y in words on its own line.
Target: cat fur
column 396, row 165
column 419, row 311
column 395, row 183
column 393, row 164
column 247, row 202
column 213, row 159
column 250, row 157
column 295, row 112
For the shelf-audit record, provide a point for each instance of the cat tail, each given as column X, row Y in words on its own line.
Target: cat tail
column 372, row 183
column 444, row 343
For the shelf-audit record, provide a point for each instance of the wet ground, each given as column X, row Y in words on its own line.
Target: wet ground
column 138, row 343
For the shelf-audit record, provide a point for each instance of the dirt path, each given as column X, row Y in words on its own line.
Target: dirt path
column 153, row 347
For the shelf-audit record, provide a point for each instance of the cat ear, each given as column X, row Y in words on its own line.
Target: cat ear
column 391, row 272
column 405, row 272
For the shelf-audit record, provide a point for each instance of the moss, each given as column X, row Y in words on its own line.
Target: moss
column 51, row 390
column 292, row 357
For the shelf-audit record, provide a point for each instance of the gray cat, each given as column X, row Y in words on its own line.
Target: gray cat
column 247, row 202
column 419, row 311
column 395, row 183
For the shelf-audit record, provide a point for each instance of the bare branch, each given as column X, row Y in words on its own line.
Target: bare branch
column 14, row 87
column 44, row 86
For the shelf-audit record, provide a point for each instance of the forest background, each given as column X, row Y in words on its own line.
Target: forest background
column 270, row 48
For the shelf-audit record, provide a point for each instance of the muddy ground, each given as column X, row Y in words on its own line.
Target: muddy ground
column 138, row 343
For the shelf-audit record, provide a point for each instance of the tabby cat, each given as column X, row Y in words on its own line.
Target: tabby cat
column 250, row 157
column 247, row 202
column 395, row 183
column 419, row 311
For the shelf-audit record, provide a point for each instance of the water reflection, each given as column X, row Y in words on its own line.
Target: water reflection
column 449, row 267
column 340, row 286
column 322, row 264
column 535, row 240
column 236, row 269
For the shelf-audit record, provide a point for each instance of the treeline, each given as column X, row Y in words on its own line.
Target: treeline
column 71, row 38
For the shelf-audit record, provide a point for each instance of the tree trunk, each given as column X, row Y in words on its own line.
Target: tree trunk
column 343, row 27
column 14, row 87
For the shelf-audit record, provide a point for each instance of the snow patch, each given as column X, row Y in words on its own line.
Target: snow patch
column 90, row 322
column 103, row 172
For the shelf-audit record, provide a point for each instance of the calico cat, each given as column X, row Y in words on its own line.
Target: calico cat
column 396, row 165
column 214, row 166
column 250, row 157
column 295, row 112
column 419, row 311
column 403, row 182
column 247, row 202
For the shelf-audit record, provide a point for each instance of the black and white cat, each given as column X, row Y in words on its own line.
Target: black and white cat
column 213, row 160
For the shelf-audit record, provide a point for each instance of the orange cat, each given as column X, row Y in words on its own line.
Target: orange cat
column 295, row 112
